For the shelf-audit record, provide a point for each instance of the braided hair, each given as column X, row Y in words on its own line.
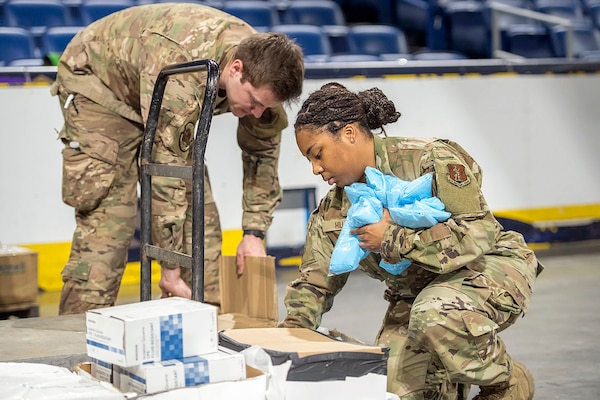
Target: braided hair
column 333, row 106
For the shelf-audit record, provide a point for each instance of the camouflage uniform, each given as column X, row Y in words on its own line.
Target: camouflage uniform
column 105, row 82
column 468, row 279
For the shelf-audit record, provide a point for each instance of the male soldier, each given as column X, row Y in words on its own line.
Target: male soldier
column 105, row 83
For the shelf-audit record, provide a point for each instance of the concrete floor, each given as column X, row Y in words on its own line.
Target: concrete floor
column 557, row 339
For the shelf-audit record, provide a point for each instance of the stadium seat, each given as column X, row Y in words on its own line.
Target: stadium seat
column 36, row 15
column 16, row 44
column 93, row 10
column 310, row 38
column 585, row 41
column 319, row 13
column 412, row 16
column 261, row 15
column 468, row 28
column 594, row 13
column 559, row 8
column 56, row 38
column 367, row 11
column 433, row 55
column 384, row 41
column 353, row 58
column 529, row 41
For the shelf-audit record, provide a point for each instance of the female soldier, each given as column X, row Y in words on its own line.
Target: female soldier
column 468, row 279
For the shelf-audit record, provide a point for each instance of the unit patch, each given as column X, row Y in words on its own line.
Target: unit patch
column 457, row 175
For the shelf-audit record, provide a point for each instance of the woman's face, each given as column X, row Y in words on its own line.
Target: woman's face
column 338, row 159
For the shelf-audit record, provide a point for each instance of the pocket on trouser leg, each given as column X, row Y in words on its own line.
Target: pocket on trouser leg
column 89, row 169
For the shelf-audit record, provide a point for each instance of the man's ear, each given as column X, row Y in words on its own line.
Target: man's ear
column 236, row 67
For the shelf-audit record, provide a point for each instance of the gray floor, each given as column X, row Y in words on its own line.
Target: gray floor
column 557, row 339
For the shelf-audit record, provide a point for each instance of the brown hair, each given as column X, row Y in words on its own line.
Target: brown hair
column 272, row 60
column 333, row 106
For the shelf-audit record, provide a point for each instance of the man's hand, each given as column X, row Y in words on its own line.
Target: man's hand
column 371, row 236
column 171, row 284
column 249, row 246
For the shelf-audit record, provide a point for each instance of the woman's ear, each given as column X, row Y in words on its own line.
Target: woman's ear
column 349, row 132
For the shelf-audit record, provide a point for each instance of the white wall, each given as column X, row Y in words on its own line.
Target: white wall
column 536, row 137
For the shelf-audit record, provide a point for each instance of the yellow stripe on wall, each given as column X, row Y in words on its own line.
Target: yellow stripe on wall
column 52, row 258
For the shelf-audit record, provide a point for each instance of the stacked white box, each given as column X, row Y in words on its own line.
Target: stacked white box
column 221, row 366
column 155, row 330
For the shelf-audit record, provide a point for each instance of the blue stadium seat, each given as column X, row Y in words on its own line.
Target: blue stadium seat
column 353, row 58
column 93, row 10
column 310, row 38
column 326, row 14
column 594, row 13
column 36, row 15
column 320, row 13
column 56, row 38
column 585, row 43
column 16, row 44
column 413, row 17
column 384, row 41
column 468, row 28
column 261, row 15
column 368, row 11
column 529, row 41
column 559, row 8
column 437, row 55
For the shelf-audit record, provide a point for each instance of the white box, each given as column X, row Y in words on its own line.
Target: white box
column 190, row 371
column 155, row 330
column 101, row 370
column 254, row 387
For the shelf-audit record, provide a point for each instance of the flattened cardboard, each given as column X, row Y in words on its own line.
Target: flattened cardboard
column 249, row 300
column 314, row 356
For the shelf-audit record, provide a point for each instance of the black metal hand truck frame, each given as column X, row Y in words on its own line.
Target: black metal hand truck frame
column 195, row 173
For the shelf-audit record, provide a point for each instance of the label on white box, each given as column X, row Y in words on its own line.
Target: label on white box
column 190, row 371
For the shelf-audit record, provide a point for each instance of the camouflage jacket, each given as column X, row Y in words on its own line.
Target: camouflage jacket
column 115, row 61
column 465, row 240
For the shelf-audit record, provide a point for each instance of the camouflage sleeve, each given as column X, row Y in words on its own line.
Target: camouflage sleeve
column 311, row 295
column 260, row 140
column 470, row 232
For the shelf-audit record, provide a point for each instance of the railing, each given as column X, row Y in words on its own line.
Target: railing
column 496, row 8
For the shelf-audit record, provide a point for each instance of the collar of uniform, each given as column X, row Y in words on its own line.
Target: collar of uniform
column 381, row 157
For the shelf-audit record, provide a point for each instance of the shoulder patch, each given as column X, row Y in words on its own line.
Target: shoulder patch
column 457, row 175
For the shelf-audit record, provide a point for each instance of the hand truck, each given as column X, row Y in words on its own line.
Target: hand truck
column 195, row 173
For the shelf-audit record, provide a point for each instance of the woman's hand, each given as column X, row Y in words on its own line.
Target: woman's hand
column 371, row 236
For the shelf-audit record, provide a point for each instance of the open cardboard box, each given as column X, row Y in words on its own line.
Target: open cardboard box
column 317, row 366
column 252, row 388
column 249, row 300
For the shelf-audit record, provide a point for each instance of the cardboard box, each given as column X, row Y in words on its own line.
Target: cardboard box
column 155, row 330
column 224, row 365
column 18, row 277
column 254, row 387
column 249, row 300
column 316, row 363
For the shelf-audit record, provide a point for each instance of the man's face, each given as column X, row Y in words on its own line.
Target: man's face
column 245, row 99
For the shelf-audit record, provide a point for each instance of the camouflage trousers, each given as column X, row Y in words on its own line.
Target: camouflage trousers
column 446, row 339
column 100, row 178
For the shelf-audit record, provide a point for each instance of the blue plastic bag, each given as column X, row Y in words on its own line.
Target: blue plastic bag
column 410, row 204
